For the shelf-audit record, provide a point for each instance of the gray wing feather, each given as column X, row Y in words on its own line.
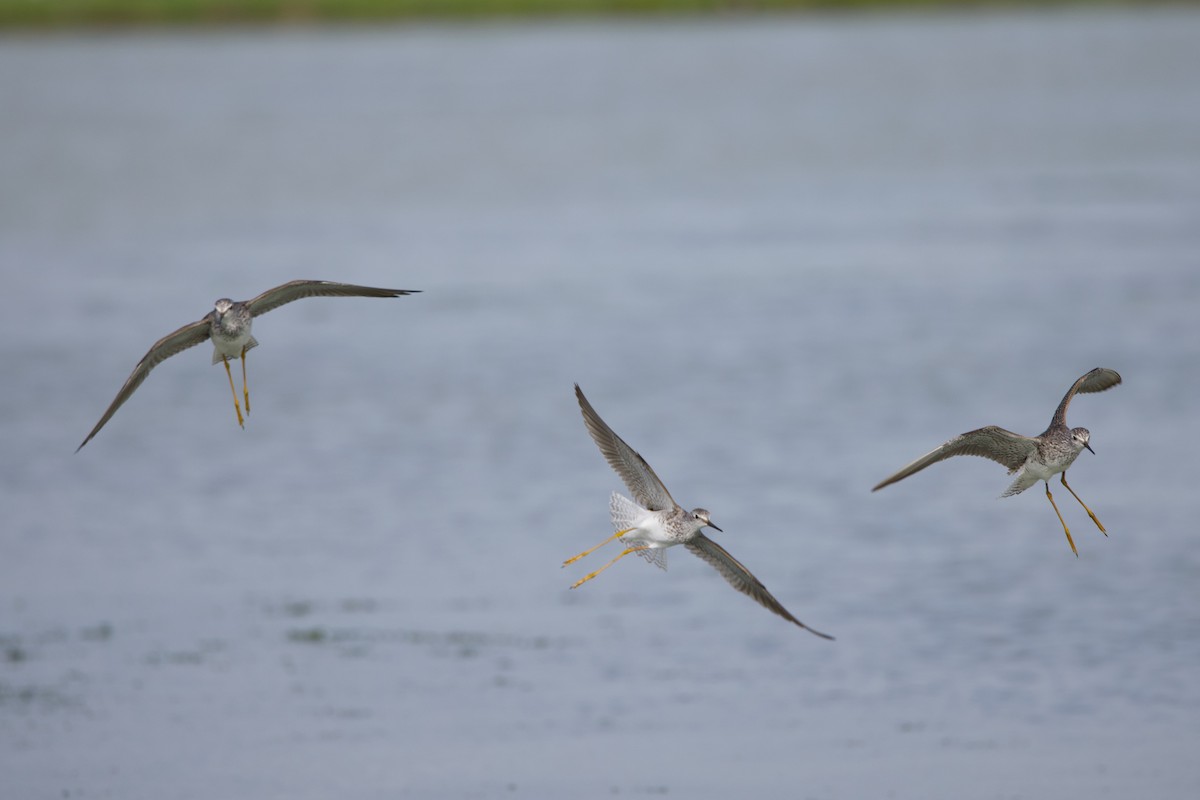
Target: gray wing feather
column 740, row 578
column 1096, row 380
column 645, row 486
column 171, row 344
column 295, row 290
column 1005, row 447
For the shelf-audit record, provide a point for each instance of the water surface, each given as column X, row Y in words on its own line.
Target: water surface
column 783, row 257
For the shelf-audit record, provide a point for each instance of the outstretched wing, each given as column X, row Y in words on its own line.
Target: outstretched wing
column 295, row 290
column 1008, row 448
column 645, row 486
column 176, row 342
column 1096, row 380
column 740, row 578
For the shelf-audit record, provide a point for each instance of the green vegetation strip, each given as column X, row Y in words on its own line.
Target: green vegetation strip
column 123, row 13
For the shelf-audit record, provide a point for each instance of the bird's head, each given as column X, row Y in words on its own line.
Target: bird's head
column 701, row 515
column 222, row 306
column 1079, row 438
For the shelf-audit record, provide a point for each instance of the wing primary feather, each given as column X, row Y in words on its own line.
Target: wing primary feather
column 1096, row 380
column 172, row 344
column 1002, row 446
column 633, row 470
column 741, row 579
column 298, row 289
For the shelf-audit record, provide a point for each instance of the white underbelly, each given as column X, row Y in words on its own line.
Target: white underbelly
column 649, row 531
column 231, row 347
column 1038, row 470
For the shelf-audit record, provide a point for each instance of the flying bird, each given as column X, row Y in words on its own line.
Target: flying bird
column 655, row 521
column 228, row 326
column 1033, row 458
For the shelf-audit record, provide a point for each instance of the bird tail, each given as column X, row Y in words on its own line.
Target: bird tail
column 627, row 514
column 1023, row 481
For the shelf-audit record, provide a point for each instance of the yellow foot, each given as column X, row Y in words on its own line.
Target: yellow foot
column 1066, row 530
column 1077, row 497
column 1070, row 541
column 236, row 409
column 591, row 550
column 585, row 579
column 245, row 385
column 591, row 575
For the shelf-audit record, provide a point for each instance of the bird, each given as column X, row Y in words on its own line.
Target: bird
column 1032, row 458
column 655, row 521
column 228, row 326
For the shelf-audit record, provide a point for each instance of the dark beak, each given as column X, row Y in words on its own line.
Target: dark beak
column 715, row 528
column 1089, row 447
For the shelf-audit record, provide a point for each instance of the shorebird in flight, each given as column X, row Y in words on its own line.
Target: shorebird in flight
column 1033, row 458
column 655, row 522
column 228, row 325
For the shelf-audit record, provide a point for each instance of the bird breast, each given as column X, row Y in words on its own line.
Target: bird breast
column 230, row 335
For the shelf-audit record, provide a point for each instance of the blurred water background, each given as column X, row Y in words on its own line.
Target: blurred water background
column 783, row 256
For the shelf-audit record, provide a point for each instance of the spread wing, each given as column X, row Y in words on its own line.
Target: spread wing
column 645, row 486
column 1008, row 448
column 740, row 578
column 176, row 342
column 295, row 290
column 1096, row 380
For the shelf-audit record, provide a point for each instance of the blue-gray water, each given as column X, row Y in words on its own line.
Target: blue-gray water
column 783, row 258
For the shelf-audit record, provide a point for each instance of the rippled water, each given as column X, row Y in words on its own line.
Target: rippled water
column 783, row 257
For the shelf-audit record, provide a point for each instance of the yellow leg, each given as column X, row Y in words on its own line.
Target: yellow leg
column 591, row 575
column 245, row 386
column 1085, row 508
column 236, row 408
column 591, row 550
column 1066, row 530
